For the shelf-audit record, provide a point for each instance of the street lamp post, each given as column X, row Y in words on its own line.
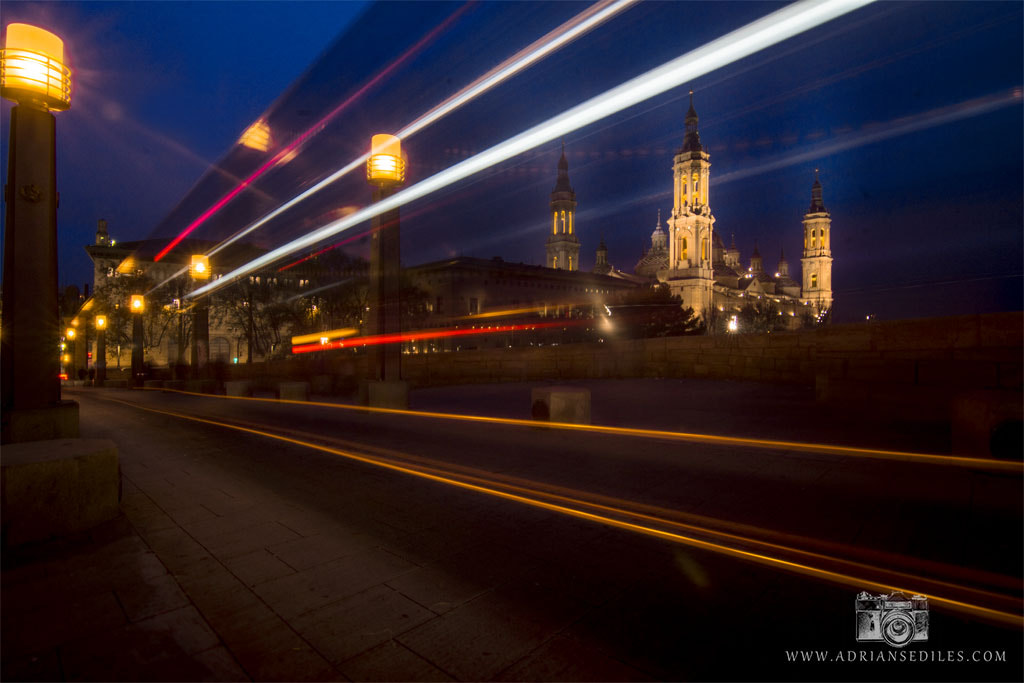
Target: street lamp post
column 199, row 269
column 137, row 307
column 33, row 75
column 101, row 350
column 385, row 170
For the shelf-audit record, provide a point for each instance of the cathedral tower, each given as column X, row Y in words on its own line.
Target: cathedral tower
column 690, row 271
column 563, row 246
column 817, row 260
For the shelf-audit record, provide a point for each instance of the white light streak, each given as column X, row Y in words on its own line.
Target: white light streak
column 574, row 28
column 758, row 35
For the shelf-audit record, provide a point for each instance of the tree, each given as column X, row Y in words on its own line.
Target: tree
column 652, row 312
column 159, row 319
column 760, row 317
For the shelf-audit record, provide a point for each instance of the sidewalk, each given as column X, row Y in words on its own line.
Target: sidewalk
column 208, row 577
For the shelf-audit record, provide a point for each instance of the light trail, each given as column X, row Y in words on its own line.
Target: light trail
column 583, row 22
column 895, row 128
column 293, row 146
column 339, row 333
column 565, row 507
column 373, row 340
column 776, row 27
column 827, row 449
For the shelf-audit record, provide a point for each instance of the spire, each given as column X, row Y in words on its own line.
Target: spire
column 732, row 241
column 817, row 206
column 691, row 142
column 783, row 264
column 562, row 183
column 659, row 240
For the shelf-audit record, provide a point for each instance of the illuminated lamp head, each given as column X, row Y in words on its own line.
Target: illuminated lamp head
column 70, row 333
column 32, row 69
column 385, row 165
column 138, row 304
column 256, row 136
column 200, row 267
column 101, row 322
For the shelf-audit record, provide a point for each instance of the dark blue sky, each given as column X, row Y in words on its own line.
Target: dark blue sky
column 912, row 111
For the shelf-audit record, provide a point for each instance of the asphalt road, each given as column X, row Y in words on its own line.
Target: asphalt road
column 631, row 556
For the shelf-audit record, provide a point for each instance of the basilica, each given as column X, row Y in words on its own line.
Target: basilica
column 689, row 254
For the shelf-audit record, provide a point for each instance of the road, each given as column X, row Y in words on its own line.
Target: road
column 401, row 546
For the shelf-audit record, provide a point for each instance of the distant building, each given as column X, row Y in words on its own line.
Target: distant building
column 563, row 246
column 692, row 260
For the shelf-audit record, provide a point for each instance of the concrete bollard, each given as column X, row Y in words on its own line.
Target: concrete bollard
column 322, row 385
column 561, row 404
column 201, row 386
column 293, row 391
column 238, row 388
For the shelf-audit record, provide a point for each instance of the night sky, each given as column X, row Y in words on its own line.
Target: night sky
column 911, row 111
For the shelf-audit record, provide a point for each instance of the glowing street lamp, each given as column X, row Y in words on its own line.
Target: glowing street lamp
column 200, row 270
column 733, row 324
column 32, row 69
column 101, row 349
column 385, row 166
column 70, row 333
column 200, row 267
column 137, row 306
column 34, row 75
column 385, row 170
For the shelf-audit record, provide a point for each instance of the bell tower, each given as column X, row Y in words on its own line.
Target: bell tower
column 563, row 245
column 690, row 270
column 816, row 263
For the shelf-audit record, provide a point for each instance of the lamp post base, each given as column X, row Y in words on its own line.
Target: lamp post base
column 58, row 421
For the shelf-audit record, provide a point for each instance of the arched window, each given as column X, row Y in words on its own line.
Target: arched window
column 554, row 223
column 563, row 222
column 814, row 280
column 570, row 263
column 683, row 250
column 696, row 188
column 554, row 262
column 570, row 229
column 704, row 249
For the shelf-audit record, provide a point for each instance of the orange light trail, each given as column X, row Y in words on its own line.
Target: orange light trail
column 293, row 146
column 842, row 578
column 329, row 334
column 372, row 340
column 828, row 449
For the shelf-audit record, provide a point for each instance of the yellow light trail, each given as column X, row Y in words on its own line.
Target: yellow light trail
column 860, row 583
column 329, row 335
column 829, row 449
column 662, row 516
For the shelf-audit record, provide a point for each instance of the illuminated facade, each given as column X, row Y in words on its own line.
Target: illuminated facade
column 816, row 263
column 693, row 261
column 563, row 244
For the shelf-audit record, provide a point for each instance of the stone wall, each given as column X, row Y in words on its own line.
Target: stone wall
column 925, row 361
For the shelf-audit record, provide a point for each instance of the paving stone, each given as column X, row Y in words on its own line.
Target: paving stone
column 243, row 541
column 485, row 636
column 299, row 593
column 348, row 627
column 257, row 567
column 567, row 659
column 147, row 597
column 392, row 661
column 37, row 630
column 303, row 553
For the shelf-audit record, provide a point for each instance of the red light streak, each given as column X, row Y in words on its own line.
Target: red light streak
column 429, row 334
column 313, row 130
